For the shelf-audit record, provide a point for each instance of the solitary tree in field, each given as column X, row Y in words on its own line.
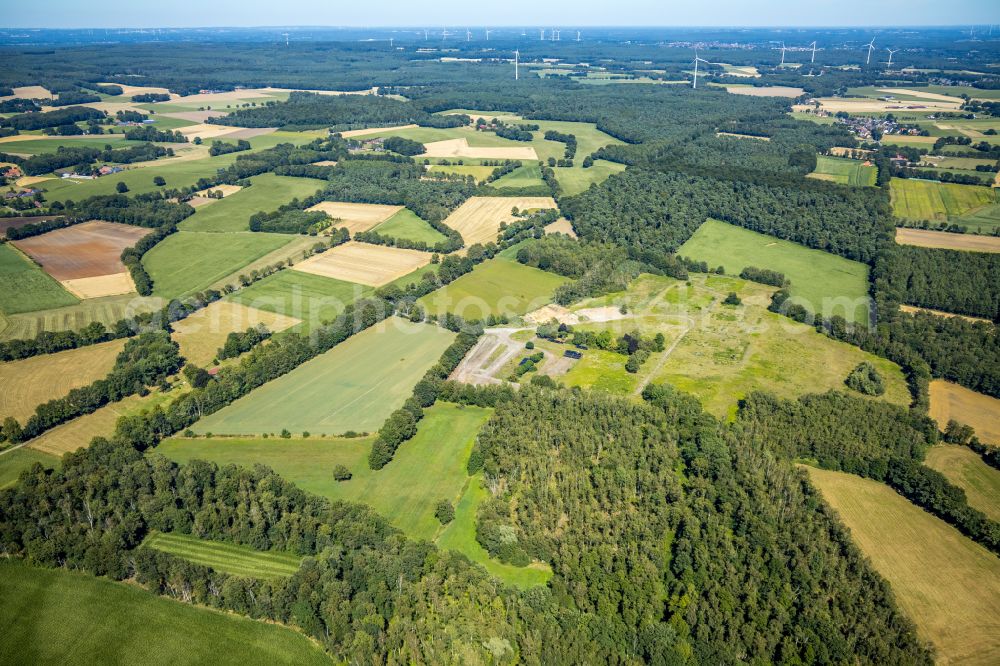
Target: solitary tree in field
column 159, row 181
column 121, row 187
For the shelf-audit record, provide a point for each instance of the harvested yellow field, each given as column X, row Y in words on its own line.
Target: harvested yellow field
column 28, row 181
column 325, row 163
column 765, row 91
column 945, row 582
column 840, row 151
column 201, row 334
column 114, row 284
column 373, row 130
column 356, row 216
column 947, row 241
column 479, row 218
column 28, row 383
column 196, row 116
column 128, row 91
column 923, row 94
column 743, row 136
column 372, row 265
column 951, row 401
column 226, row 190
column 964, row 468
column 30, row 92
column 561, row 226
column 461, row 148
column 204, row 131
column 912, row 309
column 199, row 99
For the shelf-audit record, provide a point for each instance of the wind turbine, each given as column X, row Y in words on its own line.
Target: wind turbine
column 444, row 34
column 516, row 59
column 541, row 34
column 286, row 38
column 425, row 34
column 871, row 47
column 813, row 59
column 783, row 49
column 468, row 35
column 487, row 34
column 696, row 61
column 390, row 42
column 577, row 35
column 889, row 66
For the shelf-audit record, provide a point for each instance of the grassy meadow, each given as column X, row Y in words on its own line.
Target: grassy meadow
column 947, row 584
column 937, row 202
column 24, row 287
column 354, row 386
column 820, row 281
column 12, row 463
column 407, row 224
column 844, row 171
column 59, row 617
column 311, row 298
column 498, row 286
column 189, row 261
column 963, row 467
column 267, row 193
column 225, row 557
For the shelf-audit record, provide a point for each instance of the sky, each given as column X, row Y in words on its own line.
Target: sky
column 575, row 13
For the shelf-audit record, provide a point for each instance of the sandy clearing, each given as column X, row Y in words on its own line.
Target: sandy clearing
column 951, row 401
column 913, row 309
column 325, row 163
column 29, row 92
column 946, row 240
column 765, row 91
column 195, row 116
column 561, row 226
column 373, row 130
column 201, row 334
column 90, row 249
column 227, row 190
column 356, row 216
column 863, row 104
column 547, row 313
column 461, row 148
column 922, row 94
column 114, row 284
column 372, row 265
column 479, row 218
column 601, row 314
column 743, row 136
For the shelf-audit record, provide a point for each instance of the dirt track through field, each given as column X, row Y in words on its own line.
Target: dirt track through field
column 947, row 241
column 84, row 250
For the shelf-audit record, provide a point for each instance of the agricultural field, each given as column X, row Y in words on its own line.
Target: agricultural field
column 356, row 217
column 428, row 468
column 480, row 173
column 844, row 171
column 823, row 283
column 967, row 470
column 30, row 382
column 951, row 401
column 267, row 192
column 312, row 299
column 937, row 202
column 37, row 145
column 15, row 461
column 188, row 261
column 25, row 287
column 354, row 386
column 84, row 619
column 107, row 310
column 717, row 353
column 361, row 263
column 947, row 240
column 225, row 557
column 498, row 286
column 86, row 258
column 407, row 224
column 479, row 218
column 200, row 335
column 948, row 585
column 527, row 175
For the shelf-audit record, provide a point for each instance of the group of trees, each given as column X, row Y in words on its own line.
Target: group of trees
column 146, row 98
column 55, row 118
column 239, row 342
column 408, row 147
column 223, row 148
column 83, row 158
column 150, row 133
column 568, row 139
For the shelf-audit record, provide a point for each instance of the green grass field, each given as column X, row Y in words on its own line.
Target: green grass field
column 407, row 224
column 939, row 202
column 311, row 298
column 822, row 282
column 187, row 262
column 480, row 173
column 577, row 179
column 178, row 173
column 947, row 584
column 12, row 463
column 813, row 118
column 527, row 175
column 267, row 193
column 41, row 146
column 60, row 617
column 428, row 468
column 24, row 287
column 966, row 469
column 354, row 386
column 225, row 557
column 107, row 310
column 499, row 286
column 844, row 171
